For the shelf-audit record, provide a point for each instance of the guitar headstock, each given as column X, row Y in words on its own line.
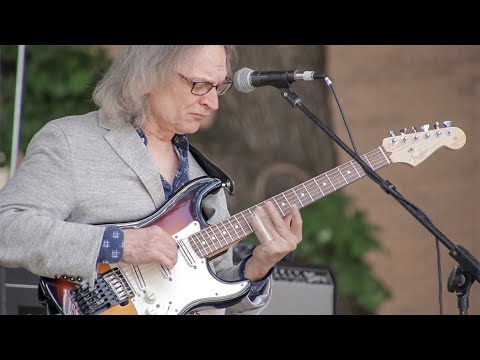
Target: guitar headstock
column 413, row 148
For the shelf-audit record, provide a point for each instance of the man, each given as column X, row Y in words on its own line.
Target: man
column 123, row 163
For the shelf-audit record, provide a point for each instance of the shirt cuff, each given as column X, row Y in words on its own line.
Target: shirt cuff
column 256, row 286
column 111, row 250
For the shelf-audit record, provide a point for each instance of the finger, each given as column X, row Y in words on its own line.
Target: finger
column 277, row 220
column 288, row 220
column 264, row 217
column 260, row 229
column 297, row 222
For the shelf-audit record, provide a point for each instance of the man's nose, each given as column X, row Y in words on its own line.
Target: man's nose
column 210, row 99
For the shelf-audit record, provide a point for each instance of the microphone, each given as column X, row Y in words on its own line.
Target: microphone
column 246, row 80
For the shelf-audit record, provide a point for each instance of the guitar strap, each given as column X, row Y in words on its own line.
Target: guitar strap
column 213, row 170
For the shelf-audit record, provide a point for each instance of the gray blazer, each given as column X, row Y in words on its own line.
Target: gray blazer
column 85, row 170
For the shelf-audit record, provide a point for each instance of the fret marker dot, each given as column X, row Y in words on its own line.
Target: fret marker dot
column 324, row 184
column 213, row 237
column 224, row 232
column 236, row 226
column 348, row 172
column 302, row 194
column 283, row 204
column 203, row 242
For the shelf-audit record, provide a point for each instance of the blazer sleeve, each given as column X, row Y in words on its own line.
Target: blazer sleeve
column 215, row 208
column 34, row 207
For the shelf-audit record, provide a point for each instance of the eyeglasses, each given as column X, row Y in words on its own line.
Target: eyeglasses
column 203, row 87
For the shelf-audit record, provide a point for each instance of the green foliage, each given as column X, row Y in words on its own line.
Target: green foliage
column 59, row 80
column 339, row 237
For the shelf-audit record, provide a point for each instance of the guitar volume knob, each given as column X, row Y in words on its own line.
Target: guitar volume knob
column 150, row 297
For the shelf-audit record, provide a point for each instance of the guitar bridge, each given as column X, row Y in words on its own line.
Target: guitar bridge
column 110, row 289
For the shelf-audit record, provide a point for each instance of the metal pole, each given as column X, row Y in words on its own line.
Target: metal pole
column 14, row 154
column 18, row 107
column 3, row 289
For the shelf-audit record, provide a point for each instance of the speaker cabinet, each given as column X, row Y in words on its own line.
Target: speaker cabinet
column 296, row 289
column 302, row 290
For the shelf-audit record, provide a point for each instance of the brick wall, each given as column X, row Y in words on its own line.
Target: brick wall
column 385, row 88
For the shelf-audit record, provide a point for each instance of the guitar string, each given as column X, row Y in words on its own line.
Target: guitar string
column 292, row 194
column 334, row 174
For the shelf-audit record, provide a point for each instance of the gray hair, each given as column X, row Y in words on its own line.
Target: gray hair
column 138, row 69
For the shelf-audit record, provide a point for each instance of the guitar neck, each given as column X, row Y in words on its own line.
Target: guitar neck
column 219, row 237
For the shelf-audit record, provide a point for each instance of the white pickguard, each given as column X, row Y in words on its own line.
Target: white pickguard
column 188, row 285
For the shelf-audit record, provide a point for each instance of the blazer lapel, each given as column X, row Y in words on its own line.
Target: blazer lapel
column 194, row 169
column 128, row 145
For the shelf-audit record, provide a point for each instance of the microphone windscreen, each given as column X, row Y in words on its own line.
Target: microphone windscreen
column 241, row 80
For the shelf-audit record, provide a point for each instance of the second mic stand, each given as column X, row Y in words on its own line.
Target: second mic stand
column 469, row 270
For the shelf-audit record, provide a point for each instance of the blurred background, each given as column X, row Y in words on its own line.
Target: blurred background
column 383, row 260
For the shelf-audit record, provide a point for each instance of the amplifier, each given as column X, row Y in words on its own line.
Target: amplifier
column 296, row 289
column 302, row 290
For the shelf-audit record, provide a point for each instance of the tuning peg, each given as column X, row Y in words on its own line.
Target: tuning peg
column 437, row 127
column 425, row 129
column 403, row 132
column 448, row 125
column 415, row 137
column 392, row 133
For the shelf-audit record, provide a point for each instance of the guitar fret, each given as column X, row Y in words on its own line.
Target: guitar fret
column 239, row 225
column 338, row 168
column 288, row 202
column 204, row 241
column 234, row 229
column 308, row 192
column 326, row 174
column 366, row 158
column 319, row 187
column 278, row 206
column 282, row 204
column 313, row 191
column 360, row 169
column 194, row 243
column 346, row 173
column 250, row 229
column 353, row 165
column 219, row 233
column 326, row 186
column 337, row 180
column 376, row 159
column 385, row 156
column 211, row 238
column 298, row 197
column 201, row 248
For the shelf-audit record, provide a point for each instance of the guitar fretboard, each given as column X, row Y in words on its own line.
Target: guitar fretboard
column 220, row 236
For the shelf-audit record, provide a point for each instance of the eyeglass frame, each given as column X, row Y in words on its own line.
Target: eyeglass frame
column 193, row 83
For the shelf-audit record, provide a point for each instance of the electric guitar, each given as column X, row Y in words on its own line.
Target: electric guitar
column 125, row 289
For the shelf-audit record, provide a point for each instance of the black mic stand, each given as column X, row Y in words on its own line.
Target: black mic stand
column 462, row 277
